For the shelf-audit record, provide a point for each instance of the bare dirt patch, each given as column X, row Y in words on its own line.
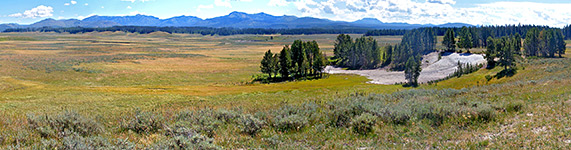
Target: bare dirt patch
column 432, row 68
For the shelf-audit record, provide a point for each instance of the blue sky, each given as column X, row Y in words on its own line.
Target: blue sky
column 479, row 12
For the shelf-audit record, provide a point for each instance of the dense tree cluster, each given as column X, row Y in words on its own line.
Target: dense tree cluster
column 301, row 60
column 544, row 43
column 193, row 30
column 362, row 53
column 414, row 44
column 504, row 49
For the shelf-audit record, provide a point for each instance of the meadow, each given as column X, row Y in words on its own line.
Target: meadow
column 180, row 84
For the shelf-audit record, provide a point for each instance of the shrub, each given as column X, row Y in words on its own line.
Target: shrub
column 227, row 116
column 250, row 125
column 143, row 122
column 68, row 122
column 203, row 121
column 291, row 122
column 185, row 138
column 363, row 124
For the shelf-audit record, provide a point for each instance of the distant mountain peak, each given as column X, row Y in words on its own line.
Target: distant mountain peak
column 369, row 21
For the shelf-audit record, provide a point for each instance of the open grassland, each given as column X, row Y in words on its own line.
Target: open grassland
column 145, row 91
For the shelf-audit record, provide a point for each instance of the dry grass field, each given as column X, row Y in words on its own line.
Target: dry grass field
column 107, row 76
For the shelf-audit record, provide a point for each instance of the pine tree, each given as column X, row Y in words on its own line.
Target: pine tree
column 266, row 63
column 412, row 70
column 449, row 40
column 490, row 53
column 531, row 44
column 465, row 39
column 286, row 63
column 560, row 43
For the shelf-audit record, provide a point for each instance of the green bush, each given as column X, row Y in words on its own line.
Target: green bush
column 291, row 122
column 143, row 122
column 363, row 124
column 250, row 125
column 204, row 121
column 59, row 125
column 227, row 116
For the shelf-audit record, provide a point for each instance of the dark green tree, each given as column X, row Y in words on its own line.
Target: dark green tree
column 560, row 43
column 266, row 63
column 490, row 53
column 412, row 70
column 506, row 57
column 465, row 40
column 286, row 63
column 531, row 43
column 449, row 40
column 517, row 44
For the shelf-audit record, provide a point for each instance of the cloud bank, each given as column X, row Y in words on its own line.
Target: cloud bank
column 38, row 12
column 434, row 11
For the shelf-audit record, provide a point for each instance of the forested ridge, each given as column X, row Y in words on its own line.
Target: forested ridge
column 193, row 30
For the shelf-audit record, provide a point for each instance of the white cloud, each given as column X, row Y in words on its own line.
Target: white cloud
column 73, row 2
column 129, row 7
column 66, row 4
column 86, row 4
column 200, row 7
column 40, row 11
column 434, row 11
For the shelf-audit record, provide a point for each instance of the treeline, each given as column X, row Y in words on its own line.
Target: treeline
column 384, row 32
column 192, row 30
column 302, row 60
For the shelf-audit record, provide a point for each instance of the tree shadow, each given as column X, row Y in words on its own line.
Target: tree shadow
column 506, row 73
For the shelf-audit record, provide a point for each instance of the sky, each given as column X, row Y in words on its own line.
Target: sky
column 556, row 13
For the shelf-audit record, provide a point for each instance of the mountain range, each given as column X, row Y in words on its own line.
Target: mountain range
column 232, row 20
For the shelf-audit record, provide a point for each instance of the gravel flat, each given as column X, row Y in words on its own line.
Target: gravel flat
column 432, row 68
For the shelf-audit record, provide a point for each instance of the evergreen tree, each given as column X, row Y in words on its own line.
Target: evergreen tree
column 275, row 65
column 490, row 53
column 266, row 63
column 531, row 43
column 465, row 39
column 506, row 58
column 449, row 40
column 412, row 70
column 560, row 43
column 286, row 63
column 517, row 44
